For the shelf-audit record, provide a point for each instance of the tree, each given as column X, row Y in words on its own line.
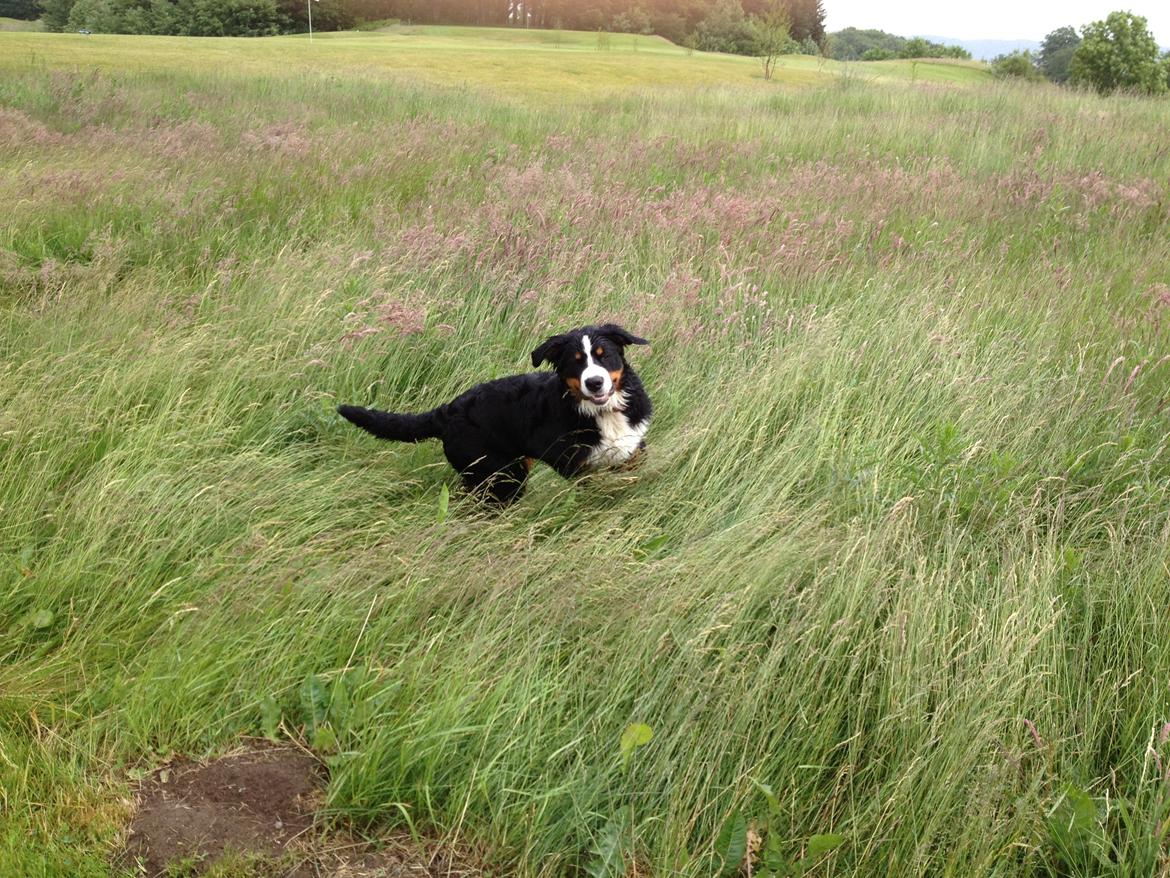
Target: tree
column 1118, row 53
column 916, row 47
column 806, row 18
column 726, row 29
column 26, row 10
column 327, row 15
column 1056, row 53
column 772, row 36
column 633, row 21
column 852, row 44
column 57, row 14
column 1016, row 65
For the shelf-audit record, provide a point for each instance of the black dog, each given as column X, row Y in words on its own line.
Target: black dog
column 592, row 412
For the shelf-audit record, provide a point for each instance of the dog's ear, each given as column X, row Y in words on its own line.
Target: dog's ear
column 550, row 351
column 619, row 336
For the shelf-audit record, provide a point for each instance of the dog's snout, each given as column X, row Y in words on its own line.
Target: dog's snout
column 594, row 383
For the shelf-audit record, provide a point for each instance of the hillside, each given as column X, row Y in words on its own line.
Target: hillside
column 550, row 64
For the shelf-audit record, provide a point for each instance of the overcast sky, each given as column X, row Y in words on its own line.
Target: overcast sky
column 989, row 19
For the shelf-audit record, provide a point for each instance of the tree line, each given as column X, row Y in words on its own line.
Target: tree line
column 1115, row 54
column 709, row 25
column 853, row 44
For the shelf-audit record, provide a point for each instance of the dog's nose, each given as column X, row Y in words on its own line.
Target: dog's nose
column 594, row 384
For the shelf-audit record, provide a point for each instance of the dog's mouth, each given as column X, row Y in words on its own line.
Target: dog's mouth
column 599, row 398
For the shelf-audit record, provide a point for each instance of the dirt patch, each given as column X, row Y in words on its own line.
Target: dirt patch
column 257, row 805
column 258, row 801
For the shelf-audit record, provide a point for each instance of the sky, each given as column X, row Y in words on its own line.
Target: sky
column 989, row 19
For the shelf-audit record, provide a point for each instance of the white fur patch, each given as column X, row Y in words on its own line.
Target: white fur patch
column 592, row 370
column 620, row 439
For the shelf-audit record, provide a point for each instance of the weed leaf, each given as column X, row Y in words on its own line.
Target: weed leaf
column 607, row 861
column 315, row 699
column 731, row 844
column 819, row 845
column 635, row 735
column 269, row 717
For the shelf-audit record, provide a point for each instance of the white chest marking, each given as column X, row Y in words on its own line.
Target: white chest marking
column 620, row 439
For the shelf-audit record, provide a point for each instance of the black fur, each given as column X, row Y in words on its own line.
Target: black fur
column 493, row 431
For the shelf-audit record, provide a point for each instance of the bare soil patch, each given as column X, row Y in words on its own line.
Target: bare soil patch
column 258, row 805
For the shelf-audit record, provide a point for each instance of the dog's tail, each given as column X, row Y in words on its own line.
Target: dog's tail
column 396, row 427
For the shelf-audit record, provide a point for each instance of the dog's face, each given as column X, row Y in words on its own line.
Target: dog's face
column 590, row 361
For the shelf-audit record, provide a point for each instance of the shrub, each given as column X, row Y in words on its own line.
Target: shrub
column 1016, row 65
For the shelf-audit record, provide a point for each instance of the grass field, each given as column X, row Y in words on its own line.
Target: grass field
column 508, row 64
column 895, row 569
column 16, row 24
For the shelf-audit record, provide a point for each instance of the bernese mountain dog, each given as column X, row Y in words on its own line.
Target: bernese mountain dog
column 590, row 412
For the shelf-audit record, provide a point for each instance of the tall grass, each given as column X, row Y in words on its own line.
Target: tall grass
column 898, row 551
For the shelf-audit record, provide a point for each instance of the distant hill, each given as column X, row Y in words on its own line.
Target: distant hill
column 985, row 50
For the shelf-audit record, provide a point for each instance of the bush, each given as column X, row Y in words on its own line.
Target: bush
column 377, row 24
column 1016, row 65
column 878, row 54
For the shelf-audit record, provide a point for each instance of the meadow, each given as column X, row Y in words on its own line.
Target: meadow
column 890, row 590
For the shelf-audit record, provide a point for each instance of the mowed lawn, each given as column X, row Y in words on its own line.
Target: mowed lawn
column 891, row 588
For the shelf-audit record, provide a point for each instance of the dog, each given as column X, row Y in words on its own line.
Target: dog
column 590, row 412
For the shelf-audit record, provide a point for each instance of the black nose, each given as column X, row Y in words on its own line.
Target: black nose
column 593, row 385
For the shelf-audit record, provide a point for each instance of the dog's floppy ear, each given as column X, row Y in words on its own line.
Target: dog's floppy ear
column 620, row 336
column 550, row 351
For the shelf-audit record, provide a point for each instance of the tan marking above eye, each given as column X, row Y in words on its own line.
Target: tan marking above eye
column 600, row 352
column 580, row 356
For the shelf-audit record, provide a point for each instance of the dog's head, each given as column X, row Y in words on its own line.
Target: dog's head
column 590, row 361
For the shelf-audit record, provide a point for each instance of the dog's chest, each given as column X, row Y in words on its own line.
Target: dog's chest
column 619, row 440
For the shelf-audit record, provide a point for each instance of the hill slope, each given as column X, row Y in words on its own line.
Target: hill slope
column 521, row 63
